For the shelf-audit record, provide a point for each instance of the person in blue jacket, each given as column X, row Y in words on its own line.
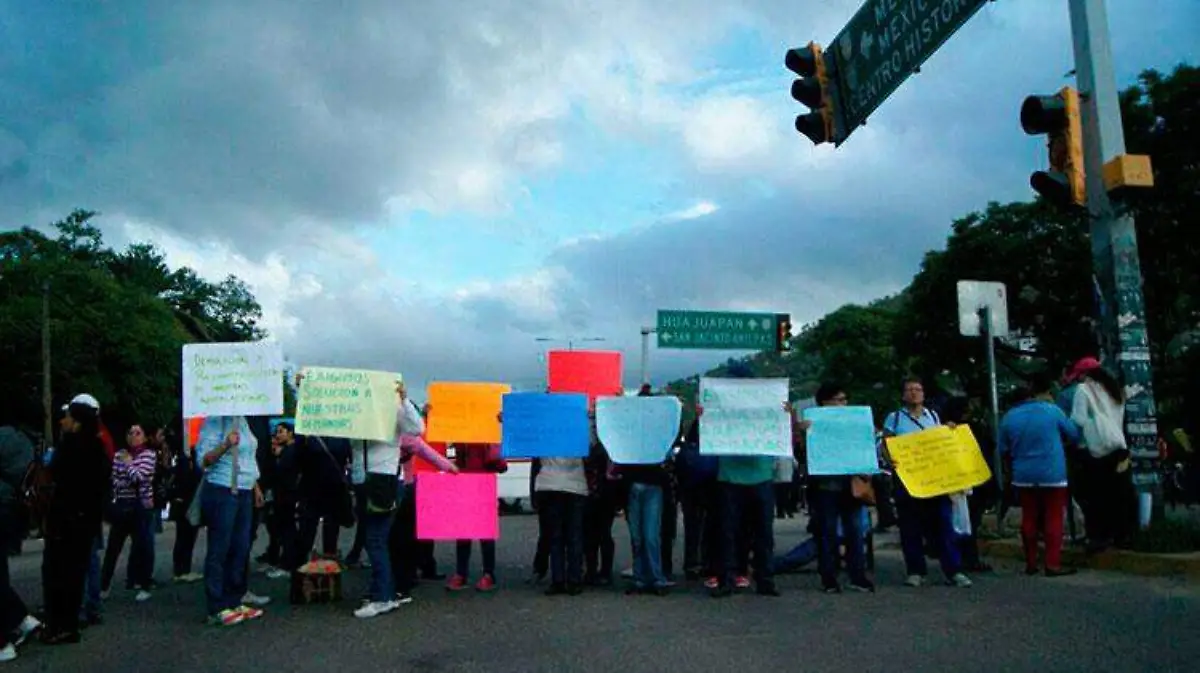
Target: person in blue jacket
column 1034, row 435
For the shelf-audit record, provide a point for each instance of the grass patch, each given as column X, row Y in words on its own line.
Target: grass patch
column 1168, row 536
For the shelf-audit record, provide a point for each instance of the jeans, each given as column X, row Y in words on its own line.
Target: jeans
column 599, row 548
column 12, row 608
column 487, row 548
column 402, row 540
column 69, row 544
column 701, row 529
column 754, row 505
column 541, row 554
column 282, row 529
column 913, row 513
column 92, row 603
column 137, row 525
column 1049, row 506
column 563, row 514
column 834, row 507
column 668, row 529
column 311, row 512
column 645, row 530
column 360, row 531
column 229, row 517
column 799, row 556
column 379, row 526
column 185, row 546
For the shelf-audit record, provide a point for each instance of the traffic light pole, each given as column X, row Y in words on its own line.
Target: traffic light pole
column 1124, row 338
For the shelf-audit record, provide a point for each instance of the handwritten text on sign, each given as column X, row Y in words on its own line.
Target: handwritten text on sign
column 938, row 461
column 348, row 403
column 546, row 425
column 465, row 412
column 745, row 417
column 637, row 430
column 232, row 379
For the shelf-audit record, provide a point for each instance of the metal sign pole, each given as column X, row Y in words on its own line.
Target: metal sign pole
column 985, row 330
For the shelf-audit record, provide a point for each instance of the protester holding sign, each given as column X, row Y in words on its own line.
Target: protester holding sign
column 747, row 481
column 914, row 417
column 477, row 459
column 226, row 450
column 834, row 501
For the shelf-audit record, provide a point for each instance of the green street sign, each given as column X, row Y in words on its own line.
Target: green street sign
column 715, row 330
column 884, row 43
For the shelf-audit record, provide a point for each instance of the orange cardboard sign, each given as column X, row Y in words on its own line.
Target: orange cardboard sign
column 595, row 373
column 465, row 412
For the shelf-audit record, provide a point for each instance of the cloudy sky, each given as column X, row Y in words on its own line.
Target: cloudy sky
column 432, row 187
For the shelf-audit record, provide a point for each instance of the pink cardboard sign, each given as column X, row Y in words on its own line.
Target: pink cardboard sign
column 457, row 507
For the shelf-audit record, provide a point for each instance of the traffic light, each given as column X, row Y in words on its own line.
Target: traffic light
column 812, row 89
column 783, row 332
column 1057, row 117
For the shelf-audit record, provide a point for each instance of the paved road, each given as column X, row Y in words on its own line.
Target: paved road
column 1007, row 622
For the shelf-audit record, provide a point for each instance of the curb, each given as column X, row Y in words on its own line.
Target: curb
column 1116, row 560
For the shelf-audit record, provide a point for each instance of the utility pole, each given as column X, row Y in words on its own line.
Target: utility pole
column 47, row 396
column 1124, row 340
column 646, row 332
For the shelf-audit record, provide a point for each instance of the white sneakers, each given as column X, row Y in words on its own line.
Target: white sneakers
column 23, row 631
column 958, row 580
column 375, row 609
column 26, row 628
column 255, row 600
column 142, row 596
column 278, row 574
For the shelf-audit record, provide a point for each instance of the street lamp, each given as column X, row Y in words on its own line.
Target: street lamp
column 570, row 341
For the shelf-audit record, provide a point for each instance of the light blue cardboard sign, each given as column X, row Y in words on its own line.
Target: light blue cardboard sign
column 545, row 425
column 638, row 430
column 841, row 441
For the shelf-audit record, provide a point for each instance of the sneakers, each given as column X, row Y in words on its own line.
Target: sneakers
column 486, row 583
column 230, row 617
column 456, row 583
column 831, row 587
column 961, row 581
column 375, row 609
column 712, row 583
column 255, row 600
column 142, row 596
column 8, row 653
column 278, row 574
column 915, row 581
column 250, row 612
column 862, row 586
column 188, row 578
column 741, row 582
column 402, row 598
column 26, row 628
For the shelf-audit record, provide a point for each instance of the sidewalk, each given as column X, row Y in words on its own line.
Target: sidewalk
column 1118, row 560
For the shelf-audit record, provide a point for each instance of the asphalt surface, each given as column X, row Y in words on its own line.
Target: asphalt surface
column 1007, row 622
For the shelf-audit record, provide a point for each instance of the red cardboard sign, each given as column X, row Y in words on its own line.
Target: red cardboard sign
column 595, row 373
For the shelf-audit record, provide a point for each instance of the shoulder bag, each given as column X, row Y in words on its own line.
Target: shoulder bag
column 382, row 489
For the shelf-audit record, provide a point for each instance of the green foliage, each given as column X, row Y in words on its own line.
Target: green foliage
column 1043, row 256
column 117, row 322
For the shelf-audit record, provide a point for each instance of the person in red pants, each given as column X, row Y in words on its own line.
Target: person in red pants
column 1034, row 435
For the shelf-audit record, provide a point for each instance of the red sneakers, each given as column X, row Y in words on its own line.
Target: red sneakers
column 456, row 583
column 741, row 582
column 485, row 584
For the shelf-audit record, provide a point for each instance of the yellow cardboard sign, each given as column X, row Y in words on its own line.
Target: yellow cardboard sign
column 466, row 413
column 938, row 461
column 350, row 403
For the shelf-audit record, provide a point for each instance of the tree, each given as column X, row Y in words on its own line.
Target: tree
column 117, row 322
